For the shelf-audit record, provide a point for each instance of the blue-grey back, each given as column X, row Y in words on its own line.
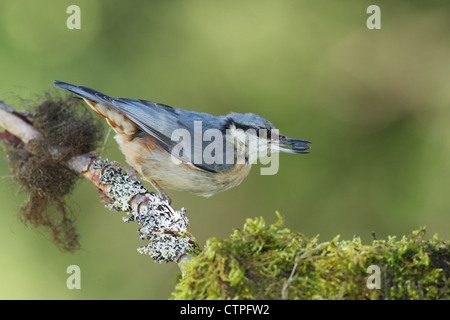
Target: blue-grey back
column 161, row 121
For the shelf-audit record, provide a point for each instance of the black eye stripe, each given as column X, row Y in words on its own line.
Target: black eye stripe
column 260, row 131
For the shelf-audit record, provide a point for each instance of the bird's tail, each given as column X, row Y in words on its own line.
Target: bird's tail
column 102, row 105
column 84, row 92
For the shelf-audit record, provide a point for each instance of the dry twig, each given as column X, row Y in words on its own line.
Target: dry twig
column 164, row 227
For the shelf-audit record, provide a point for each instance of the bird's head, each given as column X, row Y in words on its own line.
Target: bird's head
column 252, row 130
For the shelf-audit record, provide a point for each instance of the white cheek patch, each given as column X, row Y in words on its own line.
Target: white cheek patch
column 248, row 144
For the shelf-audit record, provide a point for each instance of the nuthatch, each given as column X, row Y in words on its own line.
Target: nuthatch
column 146, row 130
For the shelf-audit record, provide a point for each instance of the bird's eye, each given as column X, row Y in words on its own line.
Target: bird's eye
column 282, row 138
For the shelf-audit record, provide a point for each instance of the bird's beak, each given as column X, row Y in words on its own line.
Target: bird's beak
column 291, row 145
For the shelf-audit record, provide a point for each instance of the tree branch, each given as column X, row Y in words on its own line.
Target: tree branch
column 163, row 227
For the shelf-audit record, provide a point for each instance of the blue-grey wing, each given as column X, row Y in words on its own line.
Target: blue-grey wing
column 161, row 122
column 179, row 128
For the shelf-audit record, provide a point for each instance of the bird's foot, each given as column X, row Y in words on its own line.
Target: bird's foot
column 161, row 192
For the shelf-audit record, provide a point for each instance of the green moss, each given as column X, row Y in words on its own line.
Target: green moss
column 272, row 262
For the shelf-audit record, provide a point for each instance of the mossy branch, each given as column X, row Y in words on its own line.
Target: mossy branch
column 272, row 262
column 51, row 147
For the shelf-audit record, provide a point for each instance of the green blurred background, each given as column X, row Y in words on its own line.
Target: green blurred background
column 375, row 104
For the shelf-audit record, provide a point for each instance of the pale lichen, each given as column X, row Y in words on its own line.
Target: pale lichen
column 122, row 189
column 164, row 228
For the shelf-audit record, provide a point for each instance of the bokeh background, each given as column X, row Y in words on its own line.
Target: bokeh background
column 375, row 104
